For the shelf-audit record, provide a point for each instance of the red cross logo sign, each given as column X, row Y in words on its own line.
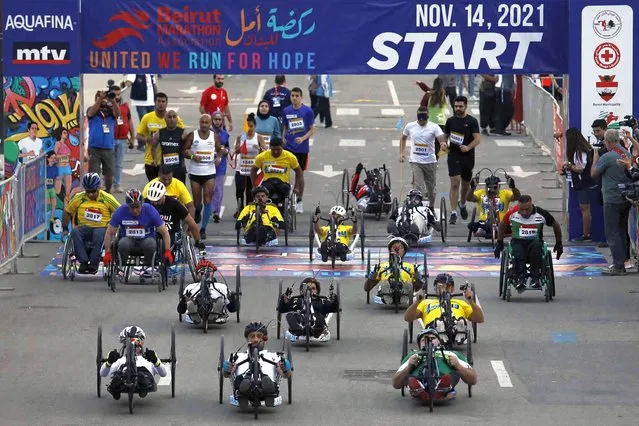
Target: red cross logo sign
column 607, row 56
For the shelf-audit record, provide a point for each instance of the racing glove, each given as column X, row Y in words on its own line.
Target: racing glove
column 473, row 183
column 559, row 249
column 113, row 357
column 499, row 247
column 359, row 168
column 199, row 245
column 108, row 257
column 374, row 273
column 168, row 256
column 152, row 357
column 511, row 183
column 285, row 365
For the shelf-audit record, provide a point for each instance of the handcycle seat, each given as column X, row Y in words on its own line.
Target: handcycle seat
column 349, row 256
column 324, row 337
column 233, row 401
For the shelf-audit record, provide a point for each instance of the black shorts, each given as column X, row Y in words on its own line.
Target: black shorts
column 151, row 171
column 461, row 165
column 302, row 159
column 201, row 179
column 584, row 195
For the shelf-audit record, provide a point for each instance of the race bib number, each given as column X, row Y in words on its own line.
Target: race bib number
column 135, row 231
column 63, row 159
column 421, row 149
column 267, row 138
column 274, row 169
column 296, row 125
column 171, row 159
column 49, row 181
column 93, row 215
column 276, row 102
column 205, row 156
column 245, row 166
column 527, row 232
column 456, row 138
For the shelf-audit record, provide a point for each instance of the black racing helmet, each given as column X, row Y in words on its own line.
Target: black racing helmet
column 253, row 327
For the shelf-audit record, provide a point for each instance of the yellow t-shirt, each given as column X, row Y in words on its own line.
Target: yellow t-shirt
column 176, row 190
column 152, row 123
column 406, row 273
column 430, row 309
column 344, row 233
column 270, row 212
column 505, row 195
column 94, row 214
column 279, row 167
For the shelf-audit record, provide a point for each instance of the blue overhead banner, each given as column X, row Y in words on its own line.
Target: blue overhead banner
column 41, row 37
column 336, row 36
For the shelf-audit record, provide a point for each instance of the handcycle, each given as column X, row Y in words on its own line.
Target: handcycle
column 130, row 370
column 378, row 180
column 286, row 207
column 430, row 371
column 508, row 276
column 184, row 256
column 121, row 269
column 307, row 314
column 314, row 243
column 259, row 228
column 205, row 300
column 256, row 398
column 406, row 219
column 492, row 207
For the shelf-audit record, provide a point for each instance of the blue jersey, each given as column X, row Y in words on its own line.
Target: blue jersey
column 52, row 174
column 141, row 226
column 297, row 123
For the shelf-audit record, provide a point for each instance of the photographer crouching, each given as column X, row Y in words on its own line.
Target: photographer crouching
column 616, row 207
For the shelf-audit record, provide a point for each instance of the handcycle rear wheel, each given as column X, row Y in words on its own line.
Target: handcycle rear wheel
column 220, row 370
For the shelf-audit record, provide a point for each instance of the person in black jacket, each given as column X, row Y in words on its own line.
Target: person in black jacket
column 321, row 306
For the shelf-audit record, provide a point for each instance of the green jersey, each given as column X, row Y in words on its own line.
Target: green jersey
column 442, row 365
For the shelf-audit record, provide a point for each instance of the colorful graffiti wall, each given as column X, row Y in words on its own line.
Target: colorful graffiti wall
column 54, row 104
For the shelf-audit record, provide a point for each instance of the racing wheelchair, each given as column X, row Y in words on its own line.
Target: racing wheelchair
column 205, row 301
column 307, row 315
column 414, row 226
column 256, row 398
column 130, row 370
column 508, row 276
column 290, row 222
column 122, row 269
column 70, row 262
column 431, row 371
column 314, row 243
column 379, row 183
column 492, row 207
column 286, row 207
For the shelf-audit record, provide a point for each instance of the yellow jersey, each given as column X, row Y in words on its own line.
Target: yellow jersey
column 430, row 309
column 279, row 167
column 269, row 213
column 94, row 214
column 505, row 195
column 406, row 273
column 343, row 232
column 152, row 123
column 175, row 190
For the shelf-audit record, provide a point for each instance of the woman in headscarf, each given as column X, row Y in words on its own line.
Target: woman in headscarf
column 220, row 169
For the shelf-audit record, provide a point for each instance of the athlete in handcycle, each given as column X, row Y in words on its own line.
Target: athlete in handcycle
column 374, row 196
column 200, row 307
column 432, row 372
column 491, row 203
column 527, row 255
column 336, row 240
column 255, row 374
column 139, row 225
column 399, row 279
column 260, row 219
column 92, row 209
column 445, row 311
column 308, row 314
column 415, row 221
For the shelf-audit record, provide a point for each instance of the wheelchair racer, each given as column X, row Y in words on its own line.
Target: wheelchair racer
column 93, row 209
column 483, row 198
column 237, row 368
column 271, row 219
column 452, row 366
column 431, row 313
column 223, row 301
column 276, row 165
column 343, row 233
column 527, row 222
column 321, row 306
column 408, row 274
column 417, row 224
column 138, row 223
column 365, row 194
column 175, row 188
column 147, row 362
column 172, row 212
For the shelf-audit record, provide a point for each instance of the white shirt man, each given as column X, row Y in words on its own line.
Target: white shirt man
column 31, row 146
column 220, row 295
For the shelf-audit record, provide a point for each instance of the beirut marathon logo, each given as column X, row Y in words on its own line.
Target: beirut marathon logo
column 139, row 20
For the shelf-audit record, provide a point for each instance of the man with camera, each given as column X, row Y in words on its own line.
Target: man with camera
column 616, row 208
column 102, row 117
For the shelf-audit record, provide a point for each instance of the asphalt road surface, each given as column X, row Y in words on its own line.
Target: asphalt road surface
column 570, row 361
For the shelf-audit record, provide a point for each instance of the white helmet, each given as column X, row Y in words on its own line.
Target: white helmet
column 339, row 210
column 130, row 332
column 155, row 191
column 398, row 240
